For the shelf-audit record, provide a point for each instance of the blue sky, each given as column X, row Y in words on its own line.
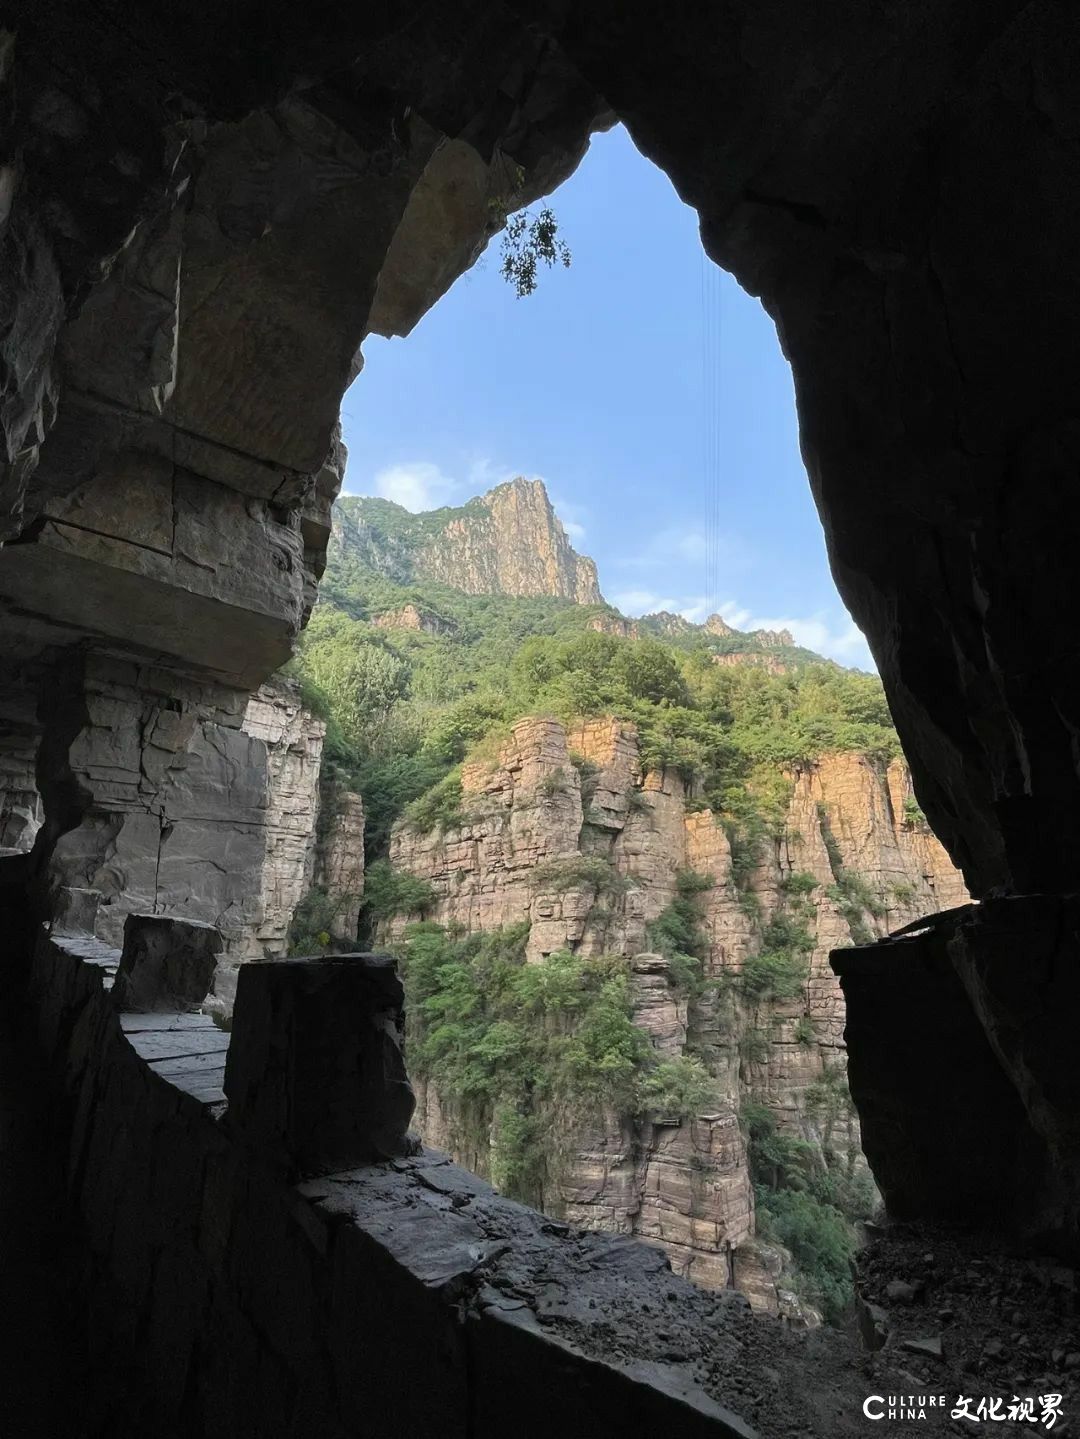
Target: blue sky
column 642, row 385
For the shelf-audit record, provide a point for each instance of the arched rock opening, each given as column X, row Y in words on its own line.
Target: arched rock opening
column 201, row 216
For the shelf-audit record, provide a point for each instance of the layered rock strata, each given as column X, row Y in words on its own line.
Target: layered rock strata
column 509, row 541
column 193, row 802
column 190, row 262
column 514, row 544
column 556, row 797
column 339, row 857
column 412, row 617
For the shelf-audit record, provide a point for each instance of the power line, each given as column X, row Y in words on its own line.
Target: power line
column 711, row 382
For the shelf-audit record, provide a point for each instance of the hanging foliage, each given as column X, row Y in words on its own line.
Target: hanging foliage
column 527, row 240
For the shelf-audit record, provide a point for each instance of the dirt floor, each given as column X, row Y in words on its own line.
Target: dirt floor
column 942, row 1317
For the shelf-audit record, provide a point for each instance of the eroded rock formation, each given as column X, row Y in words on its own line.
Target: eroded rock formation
column 509, row 541
column 556, row 799
column 518, row 547
column 205, row 806
column 412, row 617
column 191, row 257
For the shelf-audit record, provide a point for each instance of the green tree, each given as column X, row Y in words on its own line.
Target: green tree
column 361, row 679
column 528, row 241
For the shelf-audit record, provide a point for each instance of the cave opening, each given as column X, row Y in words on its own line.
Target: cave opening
column 197, row 235
column 453, row 565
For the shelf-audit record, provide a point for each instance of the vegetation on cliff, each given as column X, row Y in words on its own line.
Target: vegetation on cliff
column 807, row 1199
column 406, row 707
column 533, row 1054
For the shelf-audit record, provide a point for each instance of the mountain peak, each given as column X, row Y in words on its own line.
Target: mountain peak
column 509, row 541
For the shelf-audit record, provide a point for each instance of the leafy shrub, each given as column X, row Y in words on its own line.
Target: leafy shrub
column 798, row 884
column 821, row 1241
column 805, row 1033
column 677, row 931
column 857, row 892
column 552, row 784
column 689, row 883
column 441, row 807
column 745, row 848
column 851, row 1189
column 389, row 892
column 784, row 932
column 832, row 847
column 913, row 814
column 588, row 775
column 830, row 1096
column 352, row 674
column 528, row 240
column 807, row 1206
column 754, row 1047
column 750, row 904
column 526, row 1051
column 585, row 871
column 684, row 971
column 779, row 971
column 853, row 913
column 313, row 918
column 903, row 892
column 773, row 975
column 388, row 784
column 775, row 1159
column 676, row 1088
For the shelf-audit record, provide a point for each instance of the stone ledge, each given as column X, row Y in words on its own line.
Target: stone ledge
column 398, row 1298
column 963, row 1065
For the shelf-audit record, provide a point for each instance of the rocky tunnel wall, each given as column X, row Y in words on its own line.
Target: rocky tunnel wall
column 848, row 164
column 201, row 220
column 403, row 1297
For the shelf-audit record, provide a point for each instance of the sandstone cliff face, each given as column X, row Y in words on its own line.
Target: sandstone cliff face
column 557, row 796
column 339, row 858
column 613, row 624
column 412, row 617
column 767, row 662
column 775, row 638
column 507, row 542
column 513, row 545
column 294, row 745
column 184, row 300
column 717, row 625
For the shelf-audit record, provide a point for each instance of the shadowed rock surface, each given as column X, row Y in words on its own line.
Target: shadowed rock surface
column 165, row 963
column 202, row 213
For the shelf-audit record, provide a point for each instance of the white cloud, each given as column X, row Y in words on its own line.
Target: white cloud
column 688, row 545
column 648, row 602
column 736, row 616
column 694, row 610
column 844, row 644
column 572, row 515
column 417, row 485
column 485, row 474
column 683, row 544
column 421, row 485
